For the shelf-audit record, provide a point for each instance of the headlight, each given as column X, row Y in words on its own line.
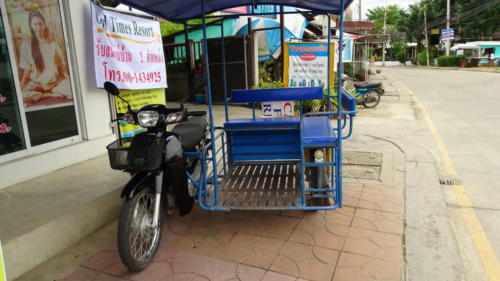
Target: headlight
column 148, row 118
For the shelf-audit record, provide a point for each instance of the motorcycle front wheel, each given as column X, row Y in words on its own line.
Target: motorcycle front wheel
column 372, row 100
column 138, row 239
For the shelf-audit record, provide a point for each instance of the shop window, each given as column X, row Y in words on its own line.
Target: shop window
column 38, row 44
column 11, row 130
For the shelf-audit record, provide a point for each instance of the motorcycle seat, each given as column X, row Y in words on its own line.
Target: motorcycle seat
column 368, row 85
column 191, row 132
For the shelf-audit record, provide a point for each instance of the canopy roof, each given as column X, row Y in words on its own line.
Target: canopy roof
column 184, row 10
column 467, row 46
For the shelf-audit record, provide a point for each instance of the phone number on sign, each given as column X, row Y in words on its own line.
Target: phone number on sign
column 131, row 77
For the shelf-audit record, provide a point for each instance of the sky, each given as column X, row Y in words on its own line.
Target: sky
column 370, row 4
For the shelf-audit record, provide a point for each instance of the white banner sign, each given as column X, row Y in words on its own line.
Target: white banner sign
column 128, row 50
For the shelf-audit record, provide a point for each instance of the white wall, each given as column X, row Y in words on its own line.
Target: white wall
column 95, row 116
column 95, row 100
column 387, row 63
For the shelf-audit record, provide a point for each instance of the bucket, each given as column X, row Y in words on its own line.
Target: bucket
column 200, row 98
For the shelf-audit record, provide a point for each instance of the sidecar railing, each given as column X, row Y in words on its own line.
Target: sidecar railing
column 261, row 162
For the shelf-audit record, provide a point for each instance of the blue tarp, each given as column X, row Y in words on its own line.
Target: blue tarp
column 184, row 10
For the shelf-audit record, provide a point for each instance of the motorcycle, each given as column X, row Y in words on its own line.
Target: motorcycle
column 367, row 93
column 158, row 170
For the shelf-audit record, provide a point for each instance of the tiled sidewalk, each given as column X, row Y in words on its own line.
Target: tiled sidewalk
column 361, row 241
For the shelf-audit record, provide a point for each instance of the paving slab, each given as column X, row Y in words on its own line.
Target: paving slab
column 359, row 240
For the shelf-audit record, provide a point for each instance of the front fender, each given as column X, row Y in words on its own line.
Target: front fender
column 136, row 184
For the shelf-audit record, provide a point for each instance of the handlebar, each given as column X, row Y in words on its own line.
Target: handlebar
column 184, row 114
column 197, row 113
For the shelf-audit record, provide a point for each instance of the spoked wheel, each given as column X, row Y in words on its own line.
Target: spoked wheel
column 372, row 100
column 138, row 239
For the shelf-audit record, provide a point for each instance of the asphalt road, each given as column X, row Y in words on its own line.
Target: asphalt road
column 465, row 108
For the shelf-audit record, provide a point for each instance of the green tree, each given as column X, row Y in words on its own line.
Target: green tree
column 396, row 18
column 399, row 51
column 476, row 19
column 472, row 19
column 168, row 28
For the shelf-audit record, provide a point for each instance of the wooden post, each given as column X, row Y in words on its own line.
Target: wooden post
column 426, row 37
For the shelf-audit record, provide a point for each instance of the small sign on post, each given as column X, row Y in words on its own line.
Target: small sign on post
column 278, row 108
column 137, row 99
column 447, row 34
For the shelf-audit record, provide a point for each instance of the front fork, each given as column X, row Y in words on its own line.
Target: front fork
column 158, row 189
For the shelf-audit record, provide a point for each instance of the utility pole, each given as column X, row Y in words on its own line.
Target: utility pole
column 359, row 8
column 426, row 37
column 385, row 30
column 448, row 41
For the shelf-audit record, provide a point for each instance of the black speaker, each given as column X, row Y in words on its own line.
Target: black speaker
column 237, row 71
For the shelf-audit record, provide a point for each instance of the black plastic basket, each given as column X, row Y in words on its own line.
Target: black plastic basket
column 118, row 154
column 146, row 152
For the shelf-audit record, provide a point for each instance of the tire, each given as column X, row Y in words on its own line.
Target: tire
column 133, row 228
column 373, row 103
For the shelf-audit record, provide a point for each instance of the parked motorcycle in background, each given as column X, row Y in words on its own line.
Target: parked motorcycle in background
column 366, row 93
column 159, row 181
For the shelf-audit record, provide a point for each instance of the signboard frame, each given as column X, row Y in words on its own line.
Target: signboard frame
column 447, row 34
column 286, row 63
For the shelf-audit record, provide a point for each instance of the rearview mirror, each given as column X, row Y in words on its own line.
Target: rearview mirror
column 111, row 88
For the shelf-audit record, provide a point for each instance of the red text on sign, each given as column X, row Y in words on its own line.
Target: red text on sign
column 4, row 128
column 120, row 55
column 142, row 77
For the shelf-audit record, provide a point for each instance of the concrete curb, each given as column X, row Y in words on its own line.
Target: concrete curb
column 51, row 238
column 432, row 251
column 453, row 68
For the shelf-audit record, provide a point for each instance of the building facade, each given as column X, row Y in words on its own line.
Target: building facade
column 52, row 115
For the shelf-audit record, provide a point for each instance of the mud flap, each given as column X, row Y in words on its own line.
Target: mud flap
column 179, row 180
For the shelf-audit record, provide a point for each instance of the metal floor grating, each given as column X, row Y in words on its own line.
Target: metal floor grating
column 267, row 186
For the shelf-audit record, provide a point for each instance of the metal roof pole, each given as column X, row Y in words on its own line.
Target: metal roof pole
column 282, row 39
column 209, row 101
column 189, row 59
column 328, row 66
column 338, row 160
column 224, row 76
column 251, row 37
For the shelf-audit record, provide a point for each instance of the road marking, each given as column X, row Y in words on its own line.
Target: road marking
column 476, row 231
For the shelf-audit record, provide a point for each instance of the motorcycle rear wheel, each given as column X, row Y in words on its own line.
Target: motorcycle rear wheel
column 138, row 240
column 374, row 100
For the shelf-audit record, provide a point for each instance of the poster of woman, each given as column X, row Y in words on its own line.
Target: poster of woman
column 40, row 53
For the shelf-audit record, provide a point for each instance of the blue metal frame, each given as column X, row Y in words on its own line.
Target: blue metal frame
column 209, row 94
column 338, row 151
column 277, row 94
column 217, row 159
